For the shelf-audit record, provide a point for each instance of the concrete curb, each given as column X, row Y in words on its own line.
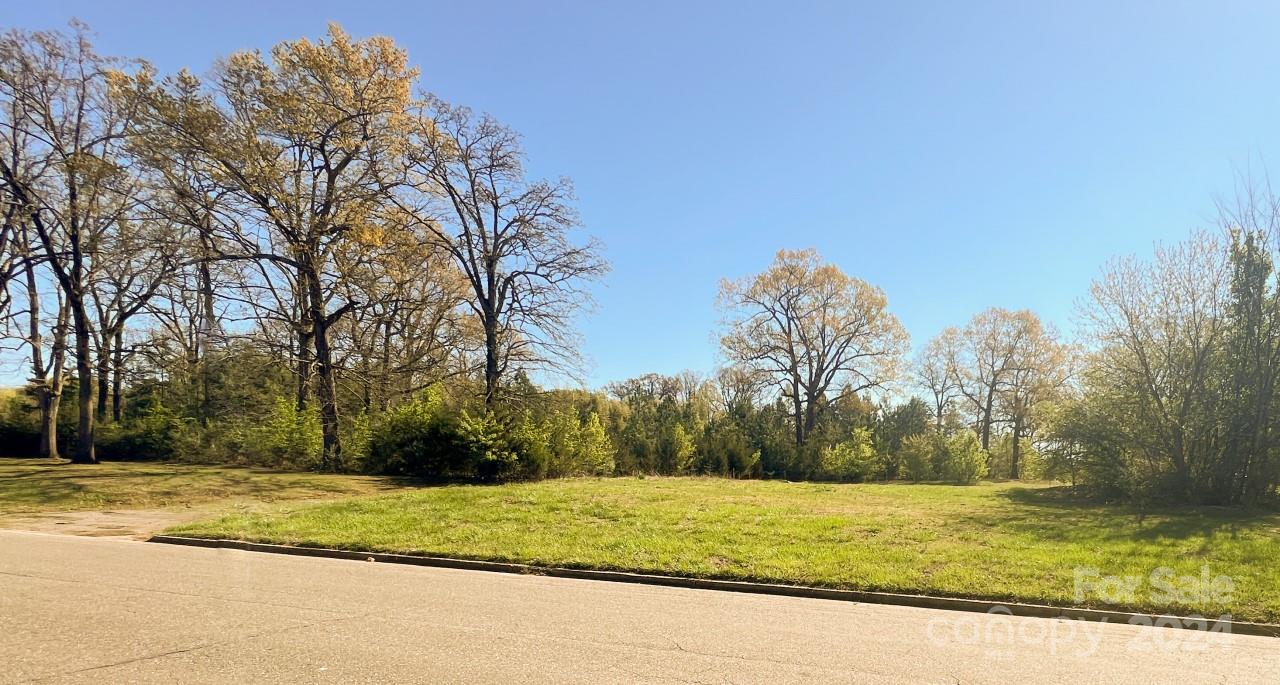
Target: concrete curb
column 867, row 597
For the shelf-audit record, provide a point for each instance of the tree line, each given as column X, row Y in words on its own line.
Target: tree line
column 306, row 259
column 311, row 210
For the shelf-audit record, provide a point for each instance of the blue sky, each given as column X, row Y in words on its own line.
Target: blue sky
column 959, row 155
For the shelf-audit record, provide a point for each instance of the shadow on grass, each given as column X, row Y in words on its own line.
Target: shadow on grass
column 54, row 485
column 1059, row 514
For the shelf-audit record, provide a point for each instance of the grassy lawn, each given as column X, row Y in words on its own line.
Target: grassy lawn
column 45, row 485
column 995, row 541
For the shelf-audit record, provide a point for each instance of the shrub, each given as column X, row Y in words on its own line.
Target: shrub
column 1090, row 449
column 595, row 450
column 966, row 461
column 289, row 437
column 676, row 451
column 18, row 439
column 355, row 444
column 155, row 435
column 726, row 451
column 577, row 448
column 530, row 440
column 486, row 447
column 852, row 460
column 1000, row 464
column 419, row 439
column 917, row 455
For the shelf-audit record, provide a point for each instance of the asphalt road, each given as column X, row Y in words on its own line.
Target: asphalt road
column 103, row 611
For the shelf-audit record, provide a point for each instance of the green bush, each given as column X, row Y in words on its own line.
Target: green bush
column 355, row 443
column 531, row 440
column 291, row 438
column 726, row 451
column 853, row 460
column 577, row 448
column 917, row 455
column 487, row 447
column 153, row 436
column 425, row 439
column 419, row 439
column 18, row 439
column 966, row 461
column 1000, row 465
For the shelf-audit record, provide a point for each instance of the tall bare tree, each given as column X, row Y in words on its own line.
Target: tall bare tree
column 413, row 332
column 1159, row 326
column 1039, row 370
column 510, row 236
column 738, row 388
column 933, row 371
column 47, row 356
column 984, row 359
column 814, row 330
column 304, row 144
column 135, row 259
column 76, row 129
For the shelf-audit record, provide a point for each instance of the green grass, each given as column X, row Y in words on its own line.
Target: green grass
column 995, row 541
column 48, row 485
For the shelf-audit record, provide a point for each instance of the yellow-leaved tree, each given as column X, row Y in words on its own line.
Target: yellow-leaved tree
column 816, row 332
column 302, row 146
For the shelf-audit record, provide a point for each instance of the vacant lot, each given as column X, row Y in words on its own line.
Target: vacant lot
column 997, row 541
column 34, row 486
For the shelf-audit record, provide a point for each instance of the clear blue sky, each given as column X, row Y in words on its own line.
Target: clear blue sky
column 959, row 155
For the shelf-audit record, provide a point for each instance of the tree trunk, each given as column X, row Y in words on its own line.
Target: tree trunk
column 48, row 379
column 327, row 394
column 104, row 377
column 799, row 415
column 49, row 405
column 326, row 385
column 303, row 391
column 117, row 378
column 986, row 420
column 84, row 373
column 1017, row 448
column 491, row 368
column 208, row 322
column 810, row 416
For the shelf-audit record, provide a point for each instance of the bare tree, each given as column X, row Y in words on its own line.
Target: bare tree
column 413, row 331
column 812, row 329
column 76, row 130
column 933, row 371
column 304, row 146
column 135, row 259
column 1040, row 369
column 509, row 235
column 737, row 388
column 983, row 362
column 1158, row 326
column 47, row 365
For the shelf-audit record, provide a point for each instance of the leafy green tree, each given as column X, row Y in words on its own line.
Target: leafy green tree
column 488, row 446
column 292, row 436
column 897, row 423
column 853, row 460
column 577, row 447
column 1246, row 467
column 966, row 460
column 595, row 450
column 676, row 449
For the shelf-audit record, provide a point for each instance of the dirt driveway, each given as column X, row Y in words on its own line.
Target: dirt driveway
column 138, row 524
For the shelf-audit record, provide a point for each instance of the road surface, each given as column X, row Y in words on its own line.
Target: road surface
column 85, row 610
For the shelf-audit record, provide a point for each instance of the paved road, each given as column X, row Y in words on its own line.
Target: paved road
column 103, row 611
